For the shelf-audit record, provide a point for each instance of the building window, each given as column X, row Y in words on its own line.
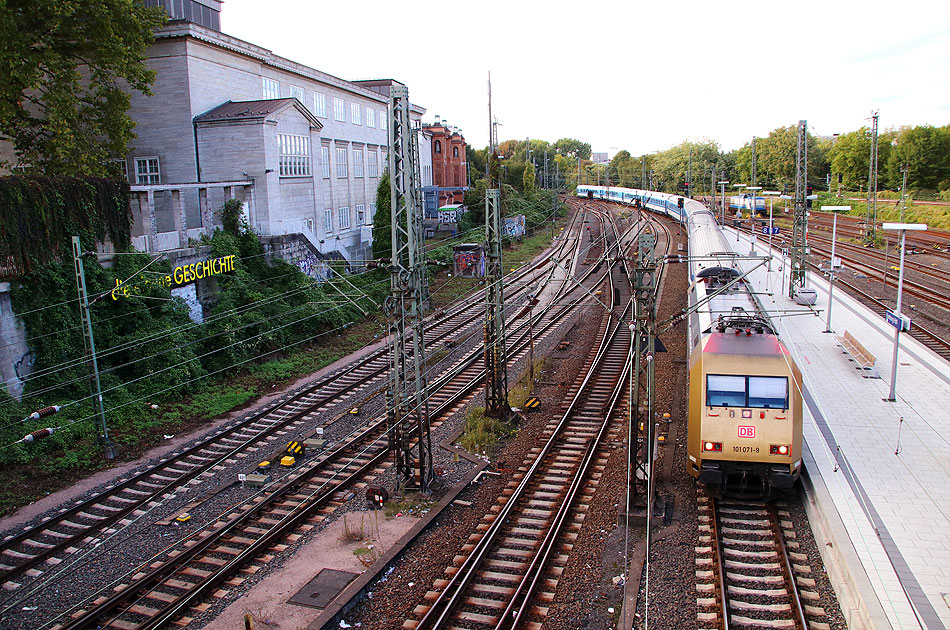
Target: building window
column 373, row 167
column 355, row 113
column 344, row 218
column 146, row 171
column 297, row 93
column 325, row 160
column 357, row 162
column 370, row 117
column 455, row 152
column 271, row 88
column 319, row 105
column 383, row 123
column 339, row 110
column 328, row 220
column 372, row 211
column 341, row 170
column 293, row 155
column 360, row 215
column 438, row 146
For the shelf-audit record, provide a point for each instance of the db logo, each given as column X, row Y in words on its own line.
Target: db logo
column 747, row 432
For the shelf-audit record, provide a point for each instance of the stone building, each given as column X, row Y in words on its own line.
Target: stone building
column 303, row 149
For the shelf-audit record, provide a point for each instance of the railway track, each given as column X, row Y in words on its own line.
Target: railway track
column 162, row 592
column 26, row 555
column 747, row 575
column 506, row 575
column 511, row 566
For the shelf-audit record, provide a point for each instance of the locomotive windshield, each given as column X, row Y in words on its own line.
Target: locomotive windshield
column 763, row 392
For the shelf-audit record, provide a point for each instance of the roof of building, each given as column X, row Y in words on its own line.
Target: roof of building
column 240, row 46
column 234, row 111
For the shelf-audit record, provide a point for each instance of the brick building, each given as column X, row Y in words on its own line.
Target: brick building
column 449, row 164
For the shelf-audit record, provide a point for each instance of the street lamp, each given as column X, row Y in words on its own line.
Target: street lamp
column 896, row 319
column 771, row 195
column 833, row 265
column 752, row 209
column 722, row 188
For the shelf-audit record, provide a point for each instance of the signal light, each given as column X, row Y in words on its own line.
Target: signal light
column 779, row 449
column 715, row 447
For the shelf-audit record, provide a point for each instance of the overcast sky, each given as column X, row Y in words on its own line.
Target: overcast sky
column 635, row 75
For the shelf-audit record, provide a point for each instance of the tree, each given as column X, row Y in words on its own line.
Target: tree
column 527, row 180
column 573, row 148
column 926, row 152
column 382, row 220
column 67, row 65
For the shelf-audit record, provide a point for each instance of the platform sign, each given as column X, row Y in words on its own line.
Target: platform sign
column 900, row 322
column 775, row 230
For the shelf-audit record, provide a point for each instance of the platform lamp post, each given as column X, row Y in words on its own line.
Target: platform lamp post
column 771, row 195
column 832, row 266
column 895, row 318
column 722, row 188
column 755, row 193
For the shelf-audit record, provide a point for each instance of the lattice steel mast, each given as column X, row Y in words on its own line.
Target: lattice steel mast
column 644, row 348
column 798, row 248
column 870, row 217
column 496, row 358
column 406, row 397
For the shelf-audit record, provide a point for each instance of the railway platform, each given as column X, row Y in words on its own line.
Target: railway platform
column 878, row 472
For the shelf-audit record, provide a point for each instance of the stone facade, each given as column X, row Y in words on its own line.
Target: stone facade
column 199, row 69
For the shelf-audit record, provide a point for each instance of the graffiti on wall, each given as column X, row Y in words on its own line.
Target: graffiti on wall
column 315, row 268
column 469, row 261
column 514, row 226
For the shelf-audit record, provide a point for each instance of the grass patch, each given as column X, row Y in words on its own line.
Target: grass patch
column 408, row 506
column 481, row 432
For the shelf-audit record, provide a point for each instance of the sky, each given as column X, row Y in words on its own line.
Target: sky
column 635, row 75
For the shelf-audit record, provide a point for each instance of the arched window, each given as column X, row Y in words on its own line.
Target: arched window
column 455, row 152
column 438, row 146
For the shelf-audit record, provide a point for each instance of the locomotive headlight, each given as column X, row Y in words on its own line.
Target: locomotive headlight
column 715, row 447
column 779, row 449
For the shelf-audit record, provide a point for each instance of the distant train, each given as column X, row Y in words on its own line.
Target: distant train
column 744, row 432
column 746, row 202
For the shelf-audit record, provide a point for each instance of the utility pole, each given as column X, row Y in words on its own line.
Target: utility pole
column 643, row 172
column 643, row 330
column 578, row 170
column 545, row 183
column 89, row 342
column 496, row 359
column 495, row 352
column 407, row 394
column 870, row 216
column 753, row 174
column 903, row 191
column 798, row 251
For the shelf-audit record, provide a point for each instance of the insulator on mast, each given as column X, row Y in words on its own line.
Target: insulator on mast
column 38, row 435
column 44, row 412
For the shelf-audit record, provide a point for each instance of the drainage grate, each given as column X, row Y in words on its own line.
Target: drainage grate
column 321, row 590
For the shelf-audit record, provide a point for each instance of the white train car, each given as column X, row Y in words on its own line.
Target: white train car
column 745, row 406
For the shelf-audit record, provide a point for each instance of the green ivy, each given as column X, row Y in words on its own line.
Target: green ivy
column 38, row 215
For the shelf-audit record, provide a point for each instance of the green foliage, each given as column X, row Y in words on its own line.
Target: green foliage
column 926, row 152
column 231, row 217
column 150, row 354
column 481, row 432
column 67, row 65
column 572, row 148
column 382, row 220
column 528, row 178
column 39, row 215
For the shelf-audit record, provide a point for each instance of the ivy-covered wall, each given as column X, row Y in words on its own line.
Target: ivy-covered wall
column 38, row 215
